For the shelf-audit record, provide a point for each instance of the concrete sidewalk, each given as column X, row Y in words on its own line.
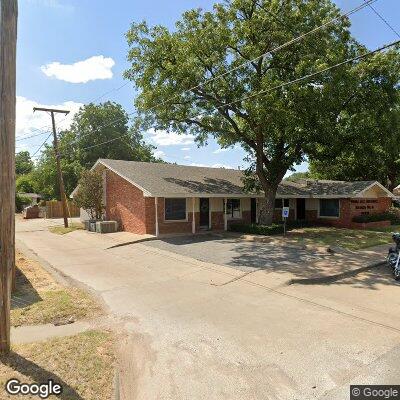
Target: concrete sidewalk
column 204, row 331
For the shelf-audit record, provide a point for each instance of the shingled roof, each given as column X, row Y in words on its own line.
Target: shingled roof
column 160, row 180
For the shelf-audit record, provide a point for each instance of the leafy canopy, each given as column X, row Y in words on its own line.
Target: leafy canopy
column 370, row 127
column 92, row 125
column 172, row 69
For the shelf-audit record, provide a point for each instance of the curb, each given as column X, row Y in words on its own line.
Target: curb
column 333, row 278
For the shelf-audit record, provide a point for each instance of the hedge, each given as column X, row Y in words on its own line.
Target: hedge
column 392, row 215
column 274, row 229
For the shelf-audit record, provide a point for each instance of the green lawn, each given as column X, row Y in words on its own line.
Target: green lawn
column 60, row 230
column 83, row 364
column 347, row 238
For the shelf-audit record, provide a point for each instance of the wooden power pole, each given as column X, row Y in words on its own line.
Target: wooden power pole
column 52, row 111
column 8, row 40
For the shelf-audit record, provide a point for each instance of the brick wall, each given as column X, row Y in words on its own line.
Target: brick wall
column 165, row 227
column 125, row 204
column 349, row 208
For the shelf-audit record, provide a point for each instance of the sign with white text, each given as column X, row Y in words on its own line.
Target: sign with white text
column 285, row 212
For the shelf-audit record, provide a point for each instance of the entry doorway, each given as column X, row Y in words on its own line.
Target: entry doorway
column 300, row 209
column 253, row 212
column 204, row 213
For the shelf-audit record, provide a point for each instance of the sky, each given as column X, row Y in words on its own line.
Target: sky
column 71, row 52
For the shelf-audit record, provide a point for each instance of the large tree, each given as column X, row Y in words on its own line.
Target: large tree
column 23, row 163
column 97, row 131
column 370, row 129
column 172, row 72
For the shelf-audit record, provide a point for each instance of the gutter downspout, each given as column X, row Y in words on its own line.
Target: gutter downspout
column 225, row 216
column 193, row 217
column 156, row 208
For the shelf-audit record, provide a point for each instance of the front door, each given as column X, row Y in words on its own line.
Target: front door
column 253, row 211
column 301, row 209
column 204, row 212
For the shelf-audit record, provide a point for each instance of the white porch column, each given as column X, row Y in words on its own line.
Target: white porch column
column 156, row 208
column 193, row 217
column 225, row 215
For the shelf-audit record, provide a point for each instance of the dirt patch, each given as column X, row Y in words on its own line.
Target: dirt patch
column 39, row 299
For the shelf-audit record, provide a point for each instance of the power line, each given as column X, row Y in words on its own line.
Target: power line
column 292, row 41
column 37, row 151
column 305, row 77
column 386, row 22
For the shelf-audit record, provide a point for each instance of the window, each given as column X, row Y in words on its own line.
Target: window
column 329, row 208
column 175, row 209
column 278, row 203
column 233, row 208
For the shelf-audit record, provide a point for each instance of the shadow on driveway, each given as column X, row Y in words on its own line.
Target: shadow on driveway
column 309, row 266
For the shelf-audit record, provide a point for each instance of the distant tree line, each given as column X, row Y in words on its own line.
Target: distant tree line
column 91, row 126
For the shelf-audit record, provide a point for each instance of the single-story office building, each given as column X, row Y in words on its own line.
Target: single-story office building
column 157, row 198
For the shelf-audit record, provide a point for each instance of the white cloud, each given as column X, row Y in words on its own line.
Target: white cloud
column 185, row 149
column 91, row 69
column 159, row 153
column 187, row 157
column 222, row 166
column 212, row 166
column 164, row 138
column 28, row 122
column 218, row 151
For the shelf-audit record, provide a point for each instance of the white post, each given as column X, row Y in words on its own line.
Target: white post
column 193, row 217
column 156, row 208
column 225, row 215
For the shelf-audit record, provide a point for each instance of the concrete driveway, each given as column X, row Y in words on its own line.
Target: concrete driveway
column 197, row 330
column 236, row 253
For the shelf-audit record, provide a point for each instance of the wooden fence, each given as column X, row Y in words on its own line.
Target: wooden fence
column 54, row 209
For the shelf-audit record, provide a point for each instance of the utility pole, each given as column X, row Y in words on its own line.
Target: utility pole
column 8, row 40
column 53, row 111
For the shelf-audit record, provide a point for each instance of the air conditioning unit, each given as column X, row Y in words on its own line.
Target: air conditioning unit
column 106, row 226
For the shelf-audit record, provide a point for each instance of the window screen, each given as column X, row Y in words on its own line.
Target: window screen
column 175, row 209
column 329, row 208
column 233, row 208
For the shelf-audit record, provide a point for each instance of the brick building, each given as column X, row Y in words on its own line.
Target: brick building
column 157, row 198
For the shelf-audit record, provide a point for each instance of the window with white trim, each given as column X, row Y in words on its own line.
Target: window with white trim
column 233, row 210
column 329, row 208
column 175, row 209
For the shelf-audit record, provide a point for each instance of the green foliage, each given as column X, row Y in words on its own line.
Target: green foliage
column 25, row 184
column 23, row 163
column 365, row 142
column 21, row 202
column 92, row 125
column 90, row 194
column 170, row 69
column 296, row 176
column 274, row 229
column 393, row 215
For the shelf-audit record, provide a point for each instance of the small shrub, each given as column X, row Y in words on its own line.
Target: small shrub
column 21, row 202
column 385, row 216
column 254, row 229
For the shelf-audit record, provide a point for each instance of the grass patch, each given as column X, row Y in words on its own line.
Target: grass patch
column 39, row 299
column 83, row 364
column 60, row 230
column 348, row 238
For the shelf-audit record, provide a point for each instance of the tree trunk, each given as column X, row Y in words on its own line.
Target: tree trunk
column 267, row 206
column 391, row 181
